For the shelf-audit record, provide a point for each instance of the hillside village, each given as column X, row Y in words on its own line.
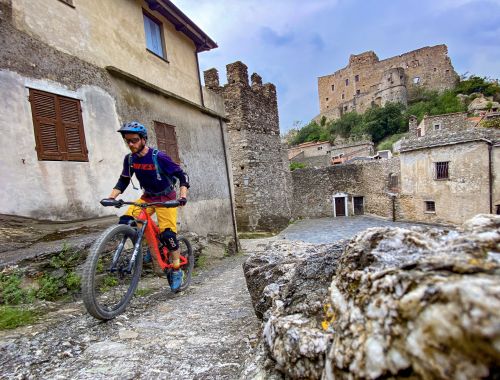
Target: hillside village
column 62, row 102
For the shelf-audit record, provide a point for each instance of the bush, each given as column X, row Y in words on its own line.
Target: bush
column 49, row 288
column 297, row 165
column 12, row 292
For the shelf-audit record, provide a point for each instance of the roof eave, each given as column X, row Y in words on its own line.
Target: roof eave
column 183, row 24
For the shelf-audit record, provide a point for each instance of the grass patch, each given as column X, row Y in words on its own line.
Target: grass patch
column 143, row 292
column 12, row 317
column 256, row 235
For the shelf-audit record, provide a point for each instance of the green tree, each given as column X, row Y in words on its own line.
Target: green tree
column 380, row 122
column 474, row 83
column 345, row 125
column 311, row 132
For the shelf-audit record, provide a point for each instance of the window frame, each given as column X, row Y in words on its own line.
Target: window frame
column 443, row 173
column 153, row 19
column 430, row 207
column 436, row 126
column 60, row 129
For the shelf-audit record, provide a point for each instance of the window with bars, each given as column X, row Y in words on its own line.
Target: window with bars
column 154, row 38
column 441, row 169
column 166, row 140
column 430, row 206
column 58, row 125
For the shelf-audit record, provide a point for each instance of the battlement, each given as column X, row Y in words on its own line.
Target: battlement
column 366, row 58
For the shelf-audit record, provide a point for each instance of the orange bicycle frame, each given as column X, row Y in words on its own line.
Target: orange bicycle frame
column 151, row 234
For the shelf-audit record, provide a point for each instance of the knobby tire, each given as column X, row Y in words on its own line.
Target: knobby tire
column 99, row 284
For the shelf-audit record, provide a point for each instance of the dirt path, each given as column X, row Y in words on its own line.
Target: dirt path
column 206, row 332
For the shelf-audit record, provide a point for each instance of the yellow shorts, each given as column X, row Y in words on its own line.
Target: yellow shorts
column 167, row 217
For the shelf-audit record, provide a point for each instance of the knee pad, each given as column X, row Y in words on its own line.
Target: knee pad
column 169, row 238
column 127, row 219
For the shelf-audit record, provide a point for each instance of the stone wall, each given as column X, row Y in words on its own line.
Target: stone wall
column 260, row 169
column 313, row 189
column 313, row 162
column 366, row 80
column 437, row 124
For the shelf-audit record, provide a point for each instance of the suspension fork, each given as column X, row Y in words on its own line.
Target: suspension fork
column 137, row 246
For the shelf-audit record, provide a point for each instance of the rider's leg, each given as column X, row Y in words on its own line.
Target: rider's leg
column 131, row 213
column 167, row 221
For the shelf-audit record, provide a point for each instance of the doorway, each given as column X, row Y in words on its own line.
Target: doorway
column 358, row 205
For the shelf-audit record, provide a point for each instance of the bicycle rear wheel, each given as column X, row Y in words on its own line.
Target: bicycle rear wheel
column 187, row 252
column 107, row 284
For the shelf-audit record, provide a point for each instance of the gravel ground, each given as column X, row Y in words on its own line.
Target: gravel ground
column 206, row 332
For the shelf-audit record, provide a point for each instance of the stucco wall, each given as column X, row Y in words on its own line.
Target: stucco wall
column 71, row 190
column 313, row 189
column 111, row 33
column 463, row 195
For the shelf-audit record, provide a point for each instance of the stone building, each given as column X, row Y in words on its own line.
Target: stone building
column 71, row 72
column 450, row 175
column 367, row 81
column 366, row 187
column 262, row 182
column 432, row 125
column 346, row 150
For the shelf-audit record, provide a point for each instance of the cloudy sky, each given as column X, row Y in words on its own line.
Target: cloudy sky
column 292, row 42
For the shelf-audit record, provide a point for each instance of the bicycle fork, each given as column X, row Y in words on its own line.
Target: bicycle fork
column 137, row 247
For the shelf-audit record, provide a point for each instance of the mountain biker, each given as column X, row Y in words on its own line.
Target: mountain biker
column 155, row 175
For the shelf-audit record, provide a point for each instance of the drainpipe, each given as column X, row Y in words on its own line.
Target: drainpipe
column 490, row 174
column 199, row 79
column 228, row 176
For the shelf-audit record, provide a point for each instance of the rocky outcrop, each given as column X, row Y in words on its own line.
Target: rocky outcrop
column 418, row 303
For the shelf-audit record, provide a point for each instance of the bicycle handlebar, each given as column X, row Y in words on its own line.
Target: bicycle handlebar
column 119, row 203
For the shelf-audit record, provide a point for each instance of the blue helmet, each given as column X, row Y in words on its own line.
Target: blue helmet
column 134, row 127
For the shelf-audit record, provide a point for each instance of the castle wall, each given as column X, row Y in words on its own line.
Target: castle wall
column 369, row 180
column 260, row 169
column 366, row 80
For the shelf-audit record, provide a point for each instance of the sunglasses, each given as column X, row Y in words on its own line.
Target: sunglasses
column 133, row 140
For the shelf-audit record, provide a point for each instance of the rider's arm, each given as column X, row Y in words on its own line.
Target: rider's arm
column 172, row 168
column 123, row 181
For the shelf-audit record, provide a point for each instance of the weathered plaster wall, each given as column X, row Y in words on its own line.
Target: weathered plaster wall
column 463, row 195
column 313, row 189
column 71, row 190
column 111, row 33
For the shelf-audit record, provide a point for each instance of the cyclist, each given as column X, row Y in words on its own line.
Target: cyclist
column 155, row 172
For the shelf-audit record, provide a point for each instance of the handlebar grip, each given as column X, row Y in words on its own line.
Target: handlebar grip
column 111, row 202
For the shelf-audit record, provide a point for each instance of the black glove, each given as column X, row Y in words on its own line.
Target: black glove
column 182, row 201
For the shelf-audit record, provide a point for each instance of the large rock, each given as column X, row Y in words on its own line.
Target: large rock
column 417, row 303
column 289, row 288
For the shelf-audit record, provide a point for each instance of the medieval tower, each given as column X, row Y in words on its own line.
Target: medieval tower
column 262, row 180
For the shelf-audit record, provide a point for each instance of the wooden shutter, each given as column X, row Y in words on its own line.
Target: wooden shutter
column 43, row 108
column 58, row 127
column 72, row 128
column 167, row 140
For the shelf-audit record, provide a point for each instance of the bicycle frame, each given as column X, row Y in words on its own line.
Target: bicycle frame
column 150, row 231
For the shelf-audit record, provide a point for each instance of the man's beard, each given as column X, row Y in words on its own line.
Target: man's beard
column 139, row 149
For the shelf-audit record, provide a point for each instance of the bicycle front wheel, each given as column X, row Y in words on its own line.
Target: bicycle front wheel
column 109, row 280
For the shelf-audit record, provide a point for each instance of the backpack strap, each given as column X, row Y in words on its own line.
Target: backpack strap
column 131, row 170
column 160, row 174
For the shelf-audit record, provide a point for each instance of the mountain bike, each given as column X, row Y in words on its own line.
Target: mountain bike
column 113, row 267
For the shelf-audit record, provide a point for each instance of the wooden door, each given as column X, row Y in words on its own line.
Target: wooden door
column 340, row 206
column 358, row 206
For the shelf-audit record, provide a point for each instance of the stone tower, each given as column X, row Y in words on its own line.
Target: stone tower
column 260, row 169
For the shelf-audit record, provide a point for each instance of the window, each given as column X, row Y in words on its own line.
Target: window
column 441, row 170
column 326, row 99
column 320, row 147
column 430, row 206
column 343, row 96
column 419, row 132
column 166, row 140
column 58, row 127
column 358, row 92
column 347, row 82
column 356, row 78
column 345, row 108
column 154, row 40
column 416, row 80
column 437, row 126
column 393, row 181
column 333, row 87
